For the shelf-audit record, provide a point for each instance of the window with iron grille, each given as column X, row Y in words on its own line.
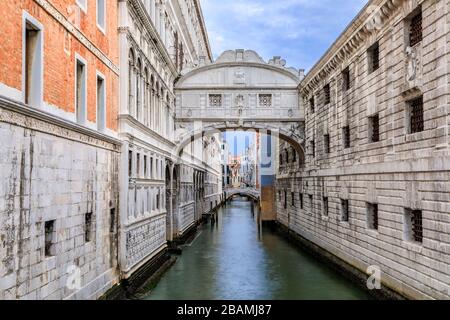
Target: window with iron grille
column 346, row 136
column 50, row 236
column 374, row 57
column 325, row 206
column 414, row 228
column 344, row 210
column 416, row 115
column 374, row 128
column 301, row 200
column 312, row 104
column 346, row 79
column 313, row 148
column 326, row 142
column 285, row 199
column 265, row 100
column 215, row 100
column 293, row 199
column 326, row 93
column 415, row 29
column 372, row 216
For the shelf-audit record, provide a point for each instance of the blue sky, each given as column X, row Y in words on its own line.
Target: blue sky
column 298, row 30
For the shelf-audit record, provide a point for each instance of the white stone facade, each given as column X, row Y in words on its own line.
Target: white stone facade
column 386, row 163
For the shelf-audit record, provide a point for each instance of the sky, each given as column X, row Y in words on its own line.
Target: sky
column 299, row 31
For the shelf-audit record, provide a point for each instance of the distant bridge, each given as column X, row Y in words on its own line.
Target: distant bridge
column 244, row 192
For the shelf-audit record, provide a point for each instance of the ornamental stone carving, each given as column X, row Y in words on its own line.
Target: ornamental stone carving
column 412, row 64
column 239, row 76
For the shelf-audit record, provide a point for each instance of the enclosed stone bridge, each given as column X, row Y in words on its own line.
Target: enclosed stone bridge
column 239, row 91
column 243, row 192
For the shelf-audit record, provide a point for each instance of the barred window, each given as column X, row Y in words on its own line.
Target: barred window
column 415, row 29
column 293, row 199
column 344, row 210
column 325, row 206
column 215, row 100
column 312, row 104
column 313, row 148
column 414, row 228
column 346, row 79
column 326, row 142
column 416, row 115
column 265, row 100
column 346, row 136
column 374, row 57
column 301, row 200
column 372, row 216
column 374, row 128
column 326, row 92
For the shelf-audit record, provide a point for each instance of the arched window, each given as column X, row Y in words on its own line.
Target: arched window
column 138, row 90
column 131, row 82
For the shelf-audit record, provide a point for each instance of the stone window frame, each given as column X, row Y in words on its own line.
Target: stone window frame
column 408, row 24
column 413, row 225
column 345, row 210
column 265, row 103
column 311, row 202
column 49, row 238
column 346, row 80
column 312, row 104
column 410, row 115
column 346, row 137
column 326, row 143
column 213, row 103
column 101, row 123
column 373, row 57
column 327, row 93
column 81, row 115
column 83, row 4
column 88, row 227
column 101, row 25
column 325, row 206
column 300, row 197
column 374, row 128
column 38, row 71
column 372, row 216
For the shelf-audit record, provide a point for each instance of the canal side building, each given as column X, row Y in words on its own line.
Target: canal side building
column 374, row 189
column 60, row 152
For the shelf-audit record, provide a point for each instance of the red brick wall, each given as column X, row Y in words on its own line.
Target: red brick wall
column 59, row 54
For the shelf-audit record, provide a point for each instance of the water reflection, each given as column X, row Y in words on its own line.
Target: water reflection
column 235, row 259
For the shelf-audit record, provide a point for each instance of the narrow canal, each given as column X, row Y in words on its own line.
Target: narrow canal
column 235, row 260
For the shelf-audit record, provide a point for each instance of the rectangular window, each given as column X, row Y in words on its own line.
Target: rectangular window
column 32, row 64
column 325, row 206
column 130, row 163
column 312, row 105
column 101, row 16
column 326, row 142
column 346, row 79
column 416, row 123
column 374, row 57
column 145, row 166
column 88, row 227
column 50, row 237
column 112, row 220
column 151, row 167
column 313, row 148
column 301, row 200
column 293, row 199
column 311, row 202
column 346, row 136
column 101, row 105
column 82, row 4
column 374, row 128
column 285, row 199
column 215, row 100
column 415, row 29
column 372, row 216
column 326, row 94
column 344, row 210
column 138, row 165
column 80, row 91
column 265, row 100
column 413, row 225
column 157, row 201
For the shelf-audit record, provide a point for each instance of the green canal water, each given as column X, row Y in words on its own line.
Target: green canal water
column 235, row 259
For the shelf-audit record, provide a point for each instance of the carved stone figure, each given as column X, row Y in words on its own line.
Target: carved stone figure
column 412, row 64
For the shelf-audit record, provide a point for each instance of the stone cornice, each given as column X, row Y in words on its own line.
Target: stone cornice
column 203, row 27
column 19, row 114
column 349, row 41
column 58, row 16
column 148, row 24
